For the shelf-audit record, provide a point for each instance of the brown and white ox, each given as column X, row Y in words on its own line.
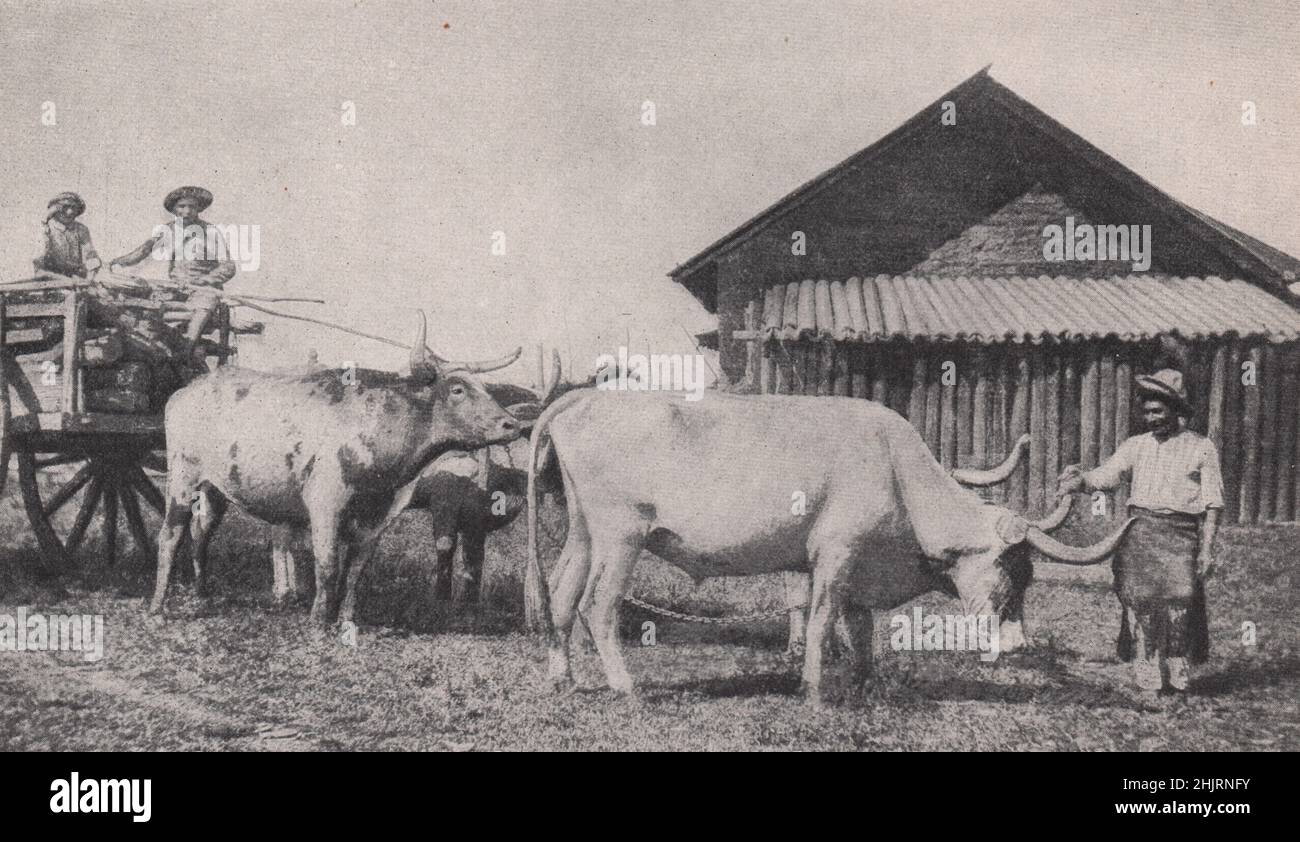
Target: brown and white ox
column 333, row 451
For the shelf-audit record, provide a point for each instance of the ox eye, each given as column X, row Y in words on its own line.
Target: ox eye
column 457, row 391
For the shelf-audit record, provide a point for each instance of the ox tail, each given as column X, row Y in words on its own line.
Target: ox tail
column 537, row 596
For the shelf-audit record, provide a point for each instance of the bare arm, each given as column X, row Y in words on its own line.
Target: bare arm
column 1102, row 478
column 136, row 254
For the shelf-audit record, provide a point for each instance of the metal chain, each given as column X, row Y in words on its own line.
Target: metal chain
column 717, row 621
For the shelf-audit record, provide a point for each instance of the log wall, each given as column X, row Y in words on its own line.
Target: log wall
column 1074, row 398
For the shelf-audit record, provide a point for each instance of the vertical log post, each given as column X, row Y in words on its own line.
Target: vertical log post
column 1089, row 399
column 1070, row 407
column 916, row 398
column 825, row 367
column 880, row 363
column 948, row 423
column 1123, row 417
column 858, row 363
column 932, row 408
column 1230, row 454
column 1269, row 384
column 1051, row 429
column 1295, row 422
column 842, row 368
column 1251, row 399
column 981, row 426
column 1001, row 409
column 966, row 375
column 1287, row 385
column 752, row 350
column 1018, row 482
column 1106, row 404
column 1037, row 429
column 73, row 310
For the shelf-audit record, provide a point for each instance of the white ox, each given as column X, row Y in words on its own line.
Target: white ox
column 709, row 486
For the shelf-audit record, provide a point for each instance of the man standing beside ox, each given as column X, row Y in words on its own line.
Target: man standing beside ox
column 1176, row 494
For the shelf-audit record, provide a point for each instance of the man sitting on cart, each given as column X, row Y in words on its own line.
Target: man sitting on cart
column 65, row 243
column 196, row 253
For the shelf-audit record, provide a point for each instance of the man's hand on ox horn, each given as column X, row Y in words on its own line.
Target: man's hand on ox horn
column 1070, row 480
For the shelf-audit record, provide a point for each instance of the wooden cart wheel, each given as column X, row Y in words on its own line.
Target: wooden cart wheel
column 111, row 485
column 4, row 415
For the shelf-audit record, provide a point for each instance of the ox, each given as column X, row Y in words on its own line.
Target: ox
column 466, row 495
column 708, row 486
column 334, row 451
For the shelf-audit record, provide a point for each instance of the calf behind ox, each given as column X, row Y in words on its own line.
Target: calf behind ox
column 711, row 485
column 337, row 455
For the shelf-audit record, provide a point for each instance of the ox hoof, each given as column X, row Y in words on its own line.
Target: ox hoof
column 563, row 685
column 824, row 694
column 155, row 617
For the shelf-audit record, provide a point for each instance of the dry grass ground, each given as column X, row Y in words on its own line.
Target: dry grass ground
column 235, row 673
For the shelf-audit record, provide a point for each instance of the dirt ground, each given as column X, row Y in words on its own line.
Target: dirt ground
column 235, row 673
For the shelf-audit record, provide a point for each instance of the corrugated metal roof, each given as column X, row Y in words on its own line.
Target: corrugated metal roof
column 1024, row 309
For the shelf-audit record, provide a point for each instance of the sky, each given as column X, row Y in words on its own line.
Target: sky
column 477, row 120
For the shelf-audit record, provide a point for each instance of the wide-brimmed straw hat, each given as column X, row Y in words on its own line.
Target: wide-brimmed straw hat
column 203, row 197
column 69, row 198
column 1166, row 385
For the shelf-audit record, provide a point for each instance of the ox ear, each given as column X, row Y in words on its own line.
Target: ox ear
column 423, row 364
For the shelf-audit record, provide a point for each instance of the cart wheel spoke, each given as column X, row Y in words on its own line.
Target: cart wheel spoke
column 63, row 459
column 131, row 507
column 69, row 489
column 147, row 489
column 88, row 505
column 110, row 521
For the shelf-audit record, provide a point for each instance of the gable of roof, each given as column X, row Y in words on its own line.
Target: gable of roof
column 1252, row 259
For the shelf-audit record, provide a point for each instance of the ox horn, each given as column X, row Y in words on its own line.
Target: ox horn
column 421, row 364
column 1066, row 554
column 530, row 410
column 553, row 391
column 1058, row 515
column 479, row 366
column 981, row 477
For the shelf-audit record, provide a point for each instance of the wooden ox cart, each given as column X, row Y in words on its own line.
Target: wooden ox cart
column 82, row 416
